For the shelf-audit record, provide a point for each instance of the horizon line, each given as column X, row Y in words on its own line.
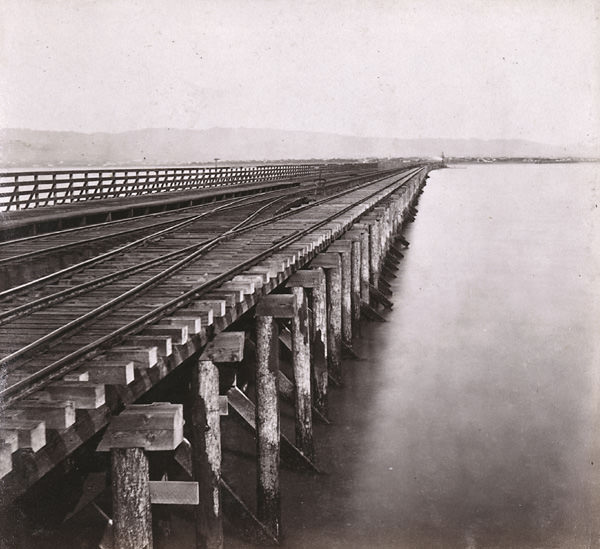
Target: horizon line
column 594, row 142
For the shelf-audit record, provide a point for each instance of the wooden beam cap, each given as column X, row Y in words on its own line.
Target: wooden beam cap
column 154, row 427
column 277, row 306
column 225, row 347
column 308, row 278
column 326, row 260
column 343, row 246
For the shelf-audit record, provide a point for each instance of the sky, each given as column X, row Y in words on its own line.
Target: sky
column 526, row 69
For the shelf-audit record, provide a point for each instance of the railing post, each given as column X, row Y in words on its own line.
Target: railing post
column 36, row 190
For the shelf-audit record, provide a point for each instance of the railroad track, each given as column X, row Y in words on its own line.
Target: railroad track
column 37, row 255
column 42, row 254
column 116, row 323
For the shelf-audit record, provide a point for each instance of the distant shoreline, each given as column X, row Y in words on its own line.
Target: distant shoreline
column 11, row 167
column 519, row 160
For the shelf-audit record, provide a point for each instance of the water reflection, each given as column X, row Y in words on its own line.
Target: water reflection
column 473, row 422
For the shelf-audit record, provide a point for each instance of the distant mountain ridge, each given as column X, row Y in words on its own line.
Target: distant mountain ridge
column 155, row 146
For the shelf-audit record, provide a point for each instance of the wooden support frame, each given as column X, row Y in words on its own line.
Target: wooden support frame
column 379, row 297
column 206, row 454
column 331, row 263
column 344, row 248
column 226, row 347
column 139, row 428
column 245, row 410
column 314, row 281
column 302, row 374
column 365, row 275
column 236, row 510
column 132, row 515
column 268, row 429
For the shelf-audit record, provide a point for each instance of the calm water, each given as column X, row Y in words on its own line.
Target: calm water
column 472, row 420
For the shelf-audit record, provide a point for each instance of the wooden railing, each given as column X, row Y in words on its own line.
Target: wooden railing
column 32, row 189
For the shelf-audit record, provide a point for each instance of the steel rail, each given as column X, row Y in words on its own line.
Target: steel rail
column 94, row 313
column 86, row 263
column 73, row 291
column 58, row 368
column 94, row 226
column 17, row 258
column 111, row 253
column 27, row 255
column 42, row 302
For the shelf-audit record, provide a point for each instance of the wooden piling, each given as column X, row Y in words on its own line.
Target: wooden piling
column 355, row 259
column 268, row 429
column 374, row 251
column 331, row 263
column 333, row 280
column 301, row 365
column 139, row 428
column 132, row 517
column 344, row 248
column 365, row 264
column 206, row 448
column 319, row 351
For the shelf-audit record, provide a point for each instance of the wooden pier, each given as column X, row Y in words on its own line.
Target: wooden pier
column 197, row 304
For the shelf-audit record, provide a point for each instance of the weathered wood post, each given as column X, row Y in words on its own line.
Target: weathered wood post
column 300, row 282
column 208, row 406
column 206, row 438
column 344, row 248
column 397, row 210
column 332, row 265
column 380, row 220
column 388, row 228
column 132, row 515
column 374, row 250
column 139, row 428
column 268, row 310
column 404, row 206
column 319, row 331
column 365, row 263
column 380, row 216
column 353, row 237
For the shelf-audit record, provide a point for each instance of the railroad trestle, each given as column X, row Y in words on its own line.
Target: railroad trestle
column 227, row 292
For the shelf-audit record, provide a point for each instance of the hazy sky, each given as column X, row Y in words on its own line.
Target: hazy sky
column 404, row 68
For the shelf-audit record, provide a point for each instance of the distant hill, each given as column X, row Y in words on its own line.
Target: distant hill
column 31, row 148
